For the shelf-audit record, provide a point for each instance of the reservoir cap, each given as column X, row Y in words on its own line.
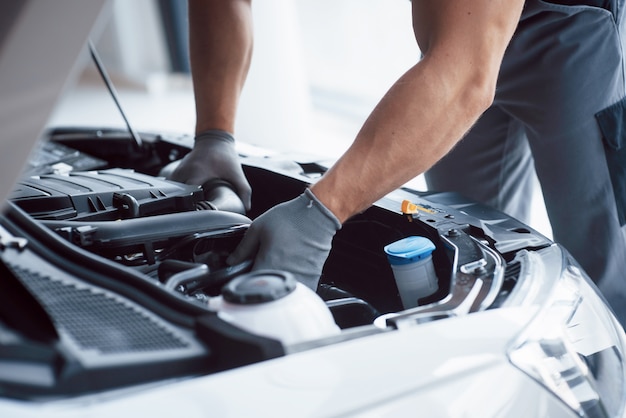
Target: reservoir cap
column 409, row 250
column 258, row 287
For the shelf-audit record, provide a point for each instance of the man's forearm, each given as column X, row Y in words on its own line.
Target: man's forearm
column 220, row 46
column 430, row 107
column 411, row 128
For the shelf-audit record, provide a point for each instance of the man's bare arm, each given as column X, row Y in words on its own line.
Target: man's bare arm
column 220, row 43
column 430, row 107
column 220, row 52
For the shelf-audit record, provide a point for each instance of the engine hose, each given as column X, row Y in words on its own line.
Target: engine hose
column 220, row 195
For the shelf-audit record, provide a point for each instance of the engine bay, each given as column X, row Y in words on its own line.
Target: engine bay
column 103, row 203
column 122, row 208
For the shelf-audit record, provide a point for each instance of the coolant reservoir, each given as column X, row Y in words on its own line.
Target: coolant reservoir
column 273, row 304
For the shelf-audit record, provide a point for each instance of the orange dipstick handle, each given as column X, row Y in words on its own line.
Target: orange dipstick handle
column 408, row 208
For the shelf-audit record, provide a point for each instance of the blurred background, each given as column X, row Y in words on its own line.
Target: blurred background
column 317, row 64
column 319, row 67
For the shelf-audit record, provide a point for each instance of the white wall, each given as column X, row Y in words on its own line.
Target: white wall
column 132, row 44
column 319, row 67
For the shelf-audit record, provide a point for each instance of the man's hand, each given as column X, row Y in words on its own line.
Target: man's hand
column 294, row 236
column 214, row 157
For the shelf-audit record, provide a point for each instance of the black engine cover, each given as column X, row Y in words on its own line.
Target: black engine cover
column 103, row 195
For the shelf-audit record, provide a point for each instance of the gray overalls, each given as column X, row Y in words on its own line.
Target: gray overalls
column 560, row 107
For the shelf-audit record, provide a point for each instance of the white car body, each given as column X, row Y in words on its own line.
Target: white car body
column 527, row 357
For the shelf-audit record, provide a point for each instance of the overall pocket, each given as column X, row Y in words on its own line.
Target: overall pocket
column 612, row 122
column 609, row 5
column 603, row 4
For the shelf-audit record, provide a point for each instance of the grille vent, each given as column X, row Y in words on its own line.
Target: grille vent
column 96, row 319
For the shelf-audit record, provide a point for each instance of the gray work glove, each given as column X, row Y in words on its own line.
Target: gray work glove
column 214, row 157
column 294, row 236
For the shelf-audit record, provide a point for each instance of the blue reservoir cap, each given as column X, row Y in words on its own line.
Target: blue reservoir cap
column 409, row 250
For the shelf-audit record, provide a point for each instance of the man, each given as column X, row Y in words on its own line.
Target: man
column 562, row 66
